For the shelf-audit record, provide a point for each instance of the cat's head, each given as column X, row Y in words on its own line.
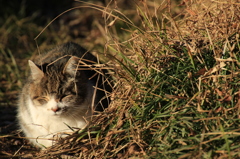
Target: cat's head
column 60, row 89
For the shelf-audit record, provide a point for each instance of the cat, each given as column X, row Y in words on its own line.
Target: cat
column 60, row 94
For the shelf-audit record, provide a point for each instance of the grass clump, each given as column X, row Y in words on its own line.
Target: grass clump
column 176, row 86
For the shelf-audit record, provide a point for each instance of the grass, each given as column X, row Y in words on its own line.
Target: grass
column 176, row 75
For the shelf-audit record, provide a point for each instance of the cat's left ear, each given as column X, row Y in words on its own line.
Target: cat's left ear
column 36, row 73
column 71, row 66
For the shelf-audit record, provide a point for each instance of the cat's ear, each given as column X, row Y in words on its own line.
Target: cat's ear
column 36, row 73
column 71, row 66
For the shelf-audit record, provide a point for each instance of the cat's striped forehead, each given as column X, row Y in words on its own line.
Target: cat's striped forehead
column 57, row 84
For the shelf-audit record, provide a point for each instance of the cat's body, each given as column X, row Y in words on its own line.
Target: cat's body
column 57, row 95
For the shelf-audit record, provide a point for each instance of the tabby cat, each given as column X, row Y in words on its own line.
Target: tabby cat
column 60, row 94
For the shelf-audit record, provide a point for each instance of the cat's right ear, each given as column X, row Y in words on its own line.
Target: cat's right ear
column 71, row 66
column 36, row 73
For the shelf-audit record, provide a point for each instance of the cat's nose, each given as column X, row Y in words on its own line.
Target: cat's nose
column 55, row 109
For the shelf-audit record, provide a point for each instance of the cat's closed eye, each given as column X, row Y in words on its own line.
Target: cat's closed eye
column 67, row 98
column 40, row 100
